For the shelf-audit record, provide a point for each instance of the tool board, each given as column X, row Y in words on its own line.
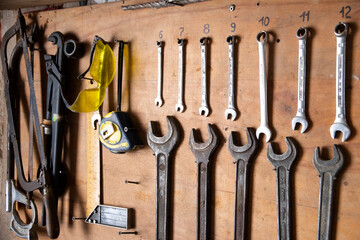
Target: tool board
column 142, row 28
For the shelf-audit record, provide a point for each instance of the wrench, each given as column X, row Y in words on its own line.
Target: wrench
column 327, row 173
column 282, row 164
column 159, row 99
column 231, row 111
column 180, row 105
column 242, row 155
column 203, row 153
column 264, row 125
column 340, row 123
column 300, row 117
column 163, row 148
column 204, row 109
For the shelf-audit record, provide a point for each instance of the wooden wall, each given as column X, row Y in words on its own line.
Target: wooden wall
column 141, row 28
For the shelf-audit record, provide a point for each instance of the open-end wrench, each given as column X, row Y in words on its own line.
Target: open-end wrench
column 159, row 99
column 327, row 173
column 243, row 156
column 264, row 125
column 282, row 164
column 340, row 123
column 300, row 117
column 204, row 109
column 180, row 105
column 203, row 153
column 163, row 148
column 231, row 111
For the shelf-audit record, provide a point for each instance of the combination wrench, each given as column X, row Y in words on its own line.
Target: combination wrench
column 204, row 109
column 327, row 173
column 231, row 111
column 264, row 125
column 282, row 165
column 180, row 105
column 159, row 99
column 340, row 123
column 243, row 156
column 300, row 117
column 203, row 153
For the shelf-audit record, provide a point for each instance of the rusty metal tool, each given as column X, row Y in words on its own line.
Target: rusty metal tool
column 203, row 153
column 282, row 164
column 328, row 171
column 163, row 148
column 243, row 156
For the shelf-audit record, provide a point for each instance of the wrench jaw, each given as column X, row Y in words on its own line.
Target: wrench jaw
column 230, row 112
column 168, row 141
column 265, row 130
column 302, row 121
column 159, row 102
column 203, row 110
column 246, row 151
column 206, row 148
column 286, row 159
column 180, row 107
column 333, row 166
column 340, row 127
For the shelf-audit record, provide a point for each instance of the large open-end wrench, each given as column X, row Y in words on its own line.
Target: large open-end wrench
column 163, row 148
column 243, row 156
column 327, row 173
column 340, row 123
column 231, row 110
column 282, row 164
column 204, row 109
column 159, row 99
column 203, row 153
column 300, row 117
column 264, row 125
column 180, row 105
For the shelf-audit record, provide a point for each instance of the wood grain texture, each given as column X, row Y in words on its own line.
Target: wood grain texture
column 141, row 28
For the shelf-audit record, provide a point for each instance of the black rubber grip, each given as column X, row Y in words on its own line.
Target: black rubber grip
column 52, row 222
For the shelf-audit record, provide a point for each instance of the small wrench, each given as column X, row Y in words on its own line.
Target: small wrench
column 231, row 111
column 282, row 164
column 159, row 99
column 203, row 153
column 204, row 109
column 180, row 105
column 264, row 125
column 163, row 148
column 327, row 173
column 243, row 156
column 340, row 123
column 300, row 117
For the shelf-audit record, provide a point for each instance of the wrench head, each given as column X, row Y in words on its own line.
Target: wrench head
column 204, row 150
column 283, row 160
column 265, row 130
column 247, row 151
column 166, row 143
column 340, row 127
column 230, row 112
column 158, row 102
column 96, row 118
column 180, row 107
column 204, row 111
column 332, row 166
column 302, row 121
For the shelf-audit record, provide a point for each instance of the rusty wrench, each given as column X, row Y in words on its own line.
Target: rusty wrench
column 282, row 164
column 163, row 148
column 203, row 153
column 242, row 155
column 327, row 173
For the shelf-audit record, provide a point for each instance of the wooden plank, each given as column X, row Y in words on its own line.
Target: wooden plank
column 142, row 29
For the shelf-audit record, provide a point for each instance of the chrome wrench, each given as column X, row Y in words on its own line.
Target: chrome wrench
column 159, row 99
column 340, row 123
column 180, row 105
column 264, row 125
column 204, row 109
column 231, row 111
column 300, row 117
